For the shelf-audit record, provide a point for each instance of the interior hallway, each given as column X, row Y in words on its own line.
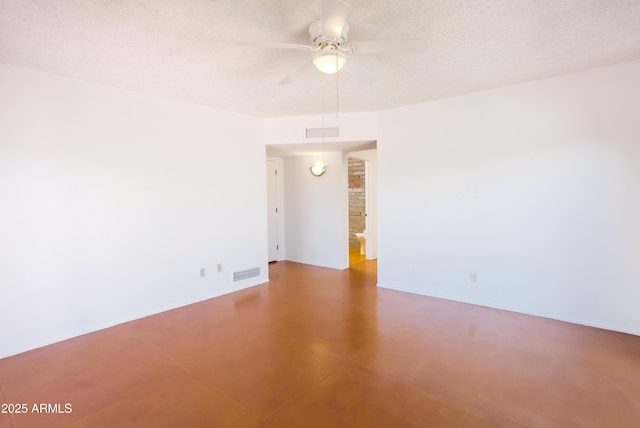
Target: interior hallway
column 325, row 348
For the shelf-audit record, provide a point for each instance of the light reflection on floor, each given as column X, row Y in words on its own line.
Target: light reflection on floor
column 355, row 256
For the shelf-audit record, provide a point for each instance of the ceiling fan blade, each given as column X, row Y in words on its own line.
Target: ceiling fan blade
column 334, row 14
column 306, row 67
column 276, row 45
column 388, row 46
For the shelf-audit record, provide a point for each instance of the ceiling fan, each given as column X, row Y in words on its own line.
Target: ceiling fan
column 329, row 42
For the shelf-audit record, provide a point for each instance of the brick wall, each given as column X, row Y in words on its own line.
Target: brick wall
column 356, row 200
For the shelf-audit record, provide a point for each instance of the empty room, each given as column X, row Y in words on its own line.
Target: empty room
column 319, row 213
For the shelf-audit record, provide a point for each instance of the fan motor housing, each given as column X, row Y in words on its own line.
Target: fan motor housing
column 320, row 40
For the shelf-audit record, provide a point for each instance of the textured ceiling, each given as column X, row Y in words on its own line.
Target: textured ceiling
column 184, row 49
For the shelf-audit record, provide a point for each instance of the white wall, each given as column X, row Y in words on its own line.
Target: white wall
column 535, row 187
column 317, row 222
column 291, row 130
column 112, row 201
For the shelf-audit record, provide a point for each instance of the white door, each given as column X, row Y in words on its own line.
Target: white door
column 273, row 210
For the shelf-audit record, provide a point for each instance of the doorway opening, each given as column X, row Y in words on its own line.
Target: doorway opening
column 362, row 205
column 357, row 179
column 311, row 218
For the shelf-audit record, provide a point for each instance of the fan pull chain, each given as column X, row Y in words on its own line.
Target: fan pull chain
column 337, row 98
column 322, row 115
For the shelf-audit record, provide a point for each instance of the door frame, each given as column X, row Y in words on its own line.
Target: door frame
column 279, row 239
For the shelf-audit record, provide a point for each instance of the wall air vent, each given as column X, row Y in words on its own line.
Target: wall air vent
column 246, row 274
column 323, row 132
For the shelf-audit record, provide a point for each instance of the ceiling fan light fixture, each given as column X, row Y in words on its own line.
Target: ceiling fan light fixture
column 330, row 63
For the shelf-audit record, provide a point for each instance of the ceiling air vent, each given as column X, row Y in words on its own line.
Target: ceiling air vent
column 323, row 132
column 246, row 274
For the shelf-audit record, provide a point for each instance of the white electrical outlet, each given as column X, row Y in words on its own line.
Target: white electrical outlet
column 473, row 277
column 219, row 266
column 203, row 272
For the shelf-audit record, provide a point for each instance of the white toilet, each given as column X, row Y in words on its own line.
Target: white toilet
column 362, row 241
